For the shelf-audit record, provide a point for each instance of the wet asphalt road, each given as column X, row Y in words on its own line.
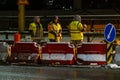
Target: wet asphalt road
column 57, row 73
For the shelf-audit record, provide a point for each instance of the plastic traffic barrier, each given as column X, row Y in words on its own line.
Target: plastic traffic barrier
column 117, row 55
column 25, row 52
column 4, row 51
column 57, row 53
column 92, row 54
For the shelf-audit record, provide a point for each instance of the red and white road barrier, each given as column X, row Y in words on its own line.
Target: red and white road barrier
column 92, row 54
column 57, row 53
column 25, row 52
column 62, row 53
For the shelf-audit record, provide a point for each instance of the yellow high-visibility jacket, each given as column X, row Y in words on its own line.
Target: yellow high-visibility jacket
column 75, row 29
column 55, row 28
column 37, row 29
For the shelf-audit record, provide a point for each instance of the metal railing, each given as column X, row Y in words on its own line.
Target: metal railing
column 9, row 24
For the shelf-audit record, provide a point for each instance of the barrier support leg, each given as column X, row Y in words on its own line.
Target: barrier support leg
column 75, row 54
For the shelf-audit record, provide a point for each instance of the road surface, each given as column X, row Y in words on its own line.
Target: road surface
column 12, row 72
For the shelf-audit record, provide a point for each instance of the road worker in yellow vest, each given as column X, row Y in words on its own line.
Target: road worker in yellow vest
column 76, row 30
column 54, row 30
column 36, row 30
column 76, row 33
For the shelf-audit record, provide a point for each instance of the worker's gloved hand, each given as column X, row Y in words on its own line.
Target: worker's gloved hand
column 59, row 34
column 85, row 27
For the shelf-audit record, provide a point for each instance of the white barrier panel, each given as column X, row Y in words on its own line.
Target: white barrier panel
column 92, row 57
column 57, row 57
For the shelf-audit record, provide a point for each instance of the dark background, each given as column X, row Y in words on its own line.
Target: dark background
column 9, row 12
column 60, row 4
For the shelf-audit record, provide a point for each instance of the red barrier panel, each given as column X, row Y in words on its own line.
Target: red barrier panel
column 92, row 54
column 57, row 53
column 25, row 51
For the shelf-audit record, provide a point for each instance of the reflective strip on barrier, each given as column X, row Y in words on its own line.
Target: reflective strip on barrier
column 57, row 56
column 92, row 57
